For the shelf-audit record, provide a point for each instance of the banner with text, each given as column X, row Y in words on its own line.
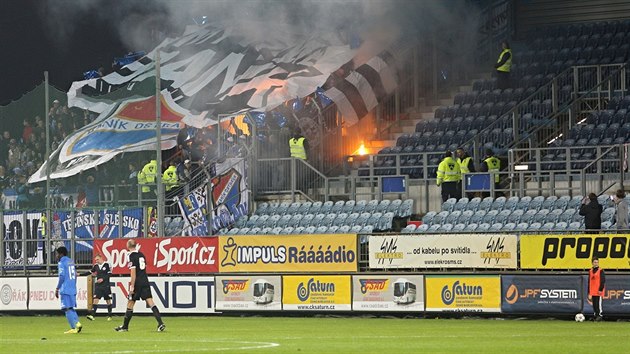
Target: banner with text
column 443, row 251
column 18, row 228
column 288, row 253
column 616, row 299
column 575, row 251
column 13, row 294
column 163, row 255
column 474, row 293
column 316, row 293
column 388, row 293
column 229, row 194
column 193, row 208
column 541, row 294
column 42, row 293
column 249, row 293
column 191, row 295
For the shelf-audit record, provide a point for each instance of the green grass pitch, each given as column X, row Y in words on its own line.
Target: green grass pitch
column 313, row 335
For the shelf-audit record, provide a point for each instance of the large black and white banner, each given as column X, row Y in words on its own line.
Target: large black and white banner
column 217, row 71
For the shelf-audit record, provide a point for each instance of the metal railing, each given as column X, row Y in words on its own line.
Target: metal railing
column 289, row 177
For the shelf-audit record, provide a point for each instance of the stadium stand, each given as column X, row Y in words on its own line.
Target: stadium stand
column 514, row 214
column 551, row 52
column 327, row 218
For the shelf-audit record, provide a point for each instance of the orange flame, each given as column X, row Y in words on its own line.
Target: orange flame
column 362, row 151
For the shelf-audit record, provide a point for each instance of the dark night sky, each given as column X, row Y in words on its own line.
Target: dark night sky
column 28, row 48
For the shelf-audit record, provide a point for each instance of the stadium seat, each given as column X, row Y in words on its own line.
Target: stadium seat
column 234, row 231
column 486, row 204
column 359, row 206
column 386, row 221
column 509, row 227
column 253, row 220
column 318, row 220
column 284, row 221
column 283, row 208
column 347, row 229
column 548, row 226
column 374, row 220
column 440, row 217
column 434, row 228
column 550, row 202
column 262, row 208
column 272, row 221
column 473, row 204
column 511, row 203
column 498, row 204
column 459, row 227
column 446, row 228
column 305, row 208
column 363, row 219
column 406, row 209
column 489, row 217
column 453, row 217
column 477, row 218
column 575, row 226
column 428, row 217
column 409, row 229
column 607, row 225
column 502, row 217
column 287, row 231
column 306, row 220
column 275, row 231
column 348, row 207
column 337, row 207
column 371, row 206
column 394, row 206
column 449, row 204
column 254, row 231
column 316, row 208
column 340, row 219
column 367, row 229
column 321, row 229
column 472, row 227
column 351, row 220
column 521, row 226
column 241, row 222
column 383, row 205
column 561, row 225
column 483, row 227
column 535, row 226
column 310, row 230
column 295, row 220
column 523, row 203
column 299, row 230
column 332, row 230
column 328, row 220
column 422, row 228
column 326, row 207
column 496, row 227
column 293, row 208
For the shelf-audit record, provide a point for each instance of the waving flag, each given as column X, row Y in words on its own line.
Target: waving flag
column 127, row 126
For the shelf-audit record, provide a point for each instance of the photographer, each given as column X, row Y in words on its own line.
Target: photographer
column 591, row 210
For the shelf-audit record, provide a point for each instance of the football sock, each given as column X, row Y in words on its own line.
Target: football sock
column 94, row 310
column 109, row 310
column 128, row 315
column 75, row 317
column 69, row 318
column 156, row 313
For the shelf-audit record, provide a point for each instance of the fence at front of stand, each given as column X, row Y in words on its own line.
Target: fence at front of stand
column 30, row 237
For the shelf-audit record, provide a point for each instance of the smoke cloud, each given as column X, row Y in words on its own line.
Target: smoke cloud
column 141, row 23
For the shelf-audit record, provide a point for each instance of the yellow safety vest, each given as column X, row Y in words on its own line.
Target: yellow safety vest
column 142, row 180
column 463, row 164
column 150, row 170
column 170, row 178
column 508, row 64
column 42, row 224
column 494, row 166
column 297, row 148
column 448, row 171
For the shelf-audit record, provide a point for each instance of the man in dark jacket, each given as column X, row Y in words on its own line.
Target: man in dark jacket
column 592, row 212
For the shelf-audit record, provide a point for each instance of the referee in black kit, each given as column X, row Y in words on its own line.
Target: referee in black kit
column 102, row 290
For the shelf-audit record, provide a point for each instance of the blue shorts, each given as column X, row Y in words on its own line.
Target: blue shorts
column 68, row 301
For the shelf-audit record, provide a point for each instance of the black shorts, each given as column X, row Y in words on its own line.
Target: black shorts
column 103, row 293
column 142, row 293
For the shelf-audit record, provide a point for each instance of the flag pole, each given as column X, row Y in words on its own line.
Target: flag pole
column 46, row 227
column 158, row 147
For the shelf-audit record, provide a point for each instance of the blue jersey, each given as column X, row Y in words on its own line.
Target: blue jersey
column 67, row 284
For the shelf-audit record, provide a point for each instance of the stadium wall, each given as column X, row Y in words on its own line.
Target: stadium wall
column 484, row 273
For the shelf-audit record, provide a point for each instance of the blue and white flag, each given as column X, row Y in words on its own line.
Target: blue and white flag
column 193, row 209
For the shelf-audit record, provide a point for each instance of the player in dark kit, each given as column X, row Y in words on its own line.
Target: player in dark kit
column 102, row 290
column 139, row 288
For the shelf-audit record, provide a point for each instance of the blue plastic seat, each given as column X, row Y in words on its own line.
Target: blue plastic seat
column 472, row 227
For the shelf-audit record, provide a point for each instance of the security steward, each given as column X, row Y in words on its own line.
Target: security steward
column 466, row 165
column 170, row 177
column 146, row 178
column 298, row 146
column 449, row 177
column 492, row 164
column 503, row 66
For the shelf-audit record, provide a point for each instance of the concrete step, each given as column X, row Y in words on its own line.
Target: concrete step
column 465, row 88
column 446, row 101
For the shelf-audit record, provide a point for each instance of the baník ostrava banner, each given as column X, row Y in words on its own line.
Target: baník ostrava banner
column 129, row 125
column 229, row 196
column 443, row 251
column 194, row 210
column 19, row 227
